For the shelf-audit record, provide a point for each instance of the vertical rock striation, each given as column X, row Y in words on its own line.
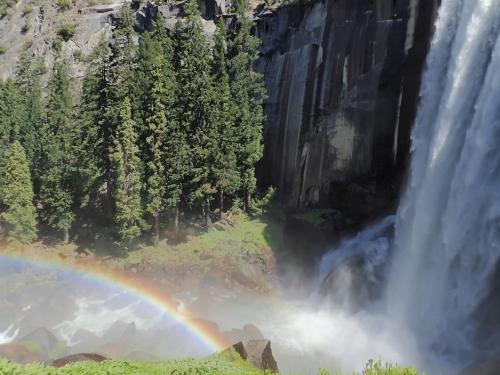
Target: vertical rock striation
column 343, row 80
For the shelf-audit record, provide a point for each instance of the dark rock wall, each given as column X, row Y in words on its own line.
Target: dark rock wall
column 343, row 81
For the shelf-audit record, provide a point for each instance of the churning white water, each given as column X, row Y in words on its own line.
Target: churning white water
column 448, row 225
column 447, row 241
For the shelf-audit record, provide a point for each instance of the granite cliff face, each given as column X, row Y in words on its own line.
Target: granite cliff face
column 343, row 81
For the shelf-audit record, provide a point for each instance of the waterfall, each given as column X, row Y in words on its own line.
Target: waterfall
column 448, row 224
column 447, row 230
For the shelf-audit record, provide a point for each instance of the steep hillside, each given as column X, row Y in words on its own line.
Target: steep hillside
column 34, row 24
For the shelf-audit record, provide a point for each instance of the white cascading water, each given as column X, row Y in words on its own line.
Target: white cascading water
column 447, row 240
column 448, row 226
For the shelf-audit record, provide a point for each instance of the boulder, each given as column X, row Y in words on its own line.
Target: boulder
column 80, row 357
column 258, row 353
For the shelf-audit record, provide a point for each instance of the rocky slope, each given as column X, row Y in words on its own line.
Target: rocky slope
column 33, row 25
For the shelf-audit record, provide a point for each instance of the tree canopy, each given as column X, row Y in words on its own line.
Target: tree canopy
column 167, row 127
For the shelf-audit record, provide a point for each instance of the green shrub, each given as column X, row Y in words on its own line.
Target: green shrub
column 64, row 4
column 66, row 31
column 28, row 8
column 261, row 203
column 377, row 368
column 5, row 6
column 78, row 55
column 57, row 45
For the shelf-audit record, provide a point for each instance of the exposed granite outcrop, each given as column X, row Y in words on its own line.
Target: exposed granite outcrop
column 343, row 81
column 37, row 28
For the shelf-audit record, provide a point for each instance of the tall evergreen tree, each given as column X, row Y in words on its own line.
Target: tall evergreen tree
column 28, row 79
column 193, row 99
column 17, row 211
column 175, row 147
column 155, row 128
column 224, row 171
column 119, row 83
column 56, row 181
column 10, row 112
column 248, row 93
column 93, row 134
column 127, row 176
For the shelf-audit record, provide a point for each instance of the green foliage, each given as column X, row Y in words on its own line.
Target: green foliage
column 27, row 9
column 28, row 79
column 211, row 366
column 64, row 5
column 377, row 368
column 261, row 204
column 127, row 176
column 117, row 83
column 57, row 44
column 224, row 170
column 193, row 103
column 248, row 93
column 182, row 367
column 155, row 127
column 58, row 162
column 166, row 126
column 10, row 111
column 92, row 135
column 66, row 31
column 5, row 5
column 17, row 211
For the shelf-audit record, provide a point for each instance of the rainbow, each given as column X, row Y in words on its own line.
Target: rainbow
column 141, row 289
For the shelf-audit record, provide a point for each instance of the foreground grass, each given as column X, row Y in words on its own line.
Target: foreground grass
column 182, row 367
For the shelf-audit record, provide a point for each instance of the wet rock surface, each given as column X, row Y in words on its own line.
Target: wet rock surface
column 343, row 81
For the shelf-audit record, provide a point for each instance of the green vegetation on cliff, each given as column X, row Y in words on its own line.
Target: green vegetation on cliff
column 5, row 5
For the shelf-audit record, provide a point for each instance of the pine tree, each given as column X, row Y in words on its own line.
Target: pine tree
column 127, row 177
column 223, row 164
column 93, row 135
column 192, row 63
column 56, row 181
column 175, row 147
column 248, row 93
column 10, row 112
column 28, row 79
column 17, row 211
column 119, row 83
column 155, row 128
